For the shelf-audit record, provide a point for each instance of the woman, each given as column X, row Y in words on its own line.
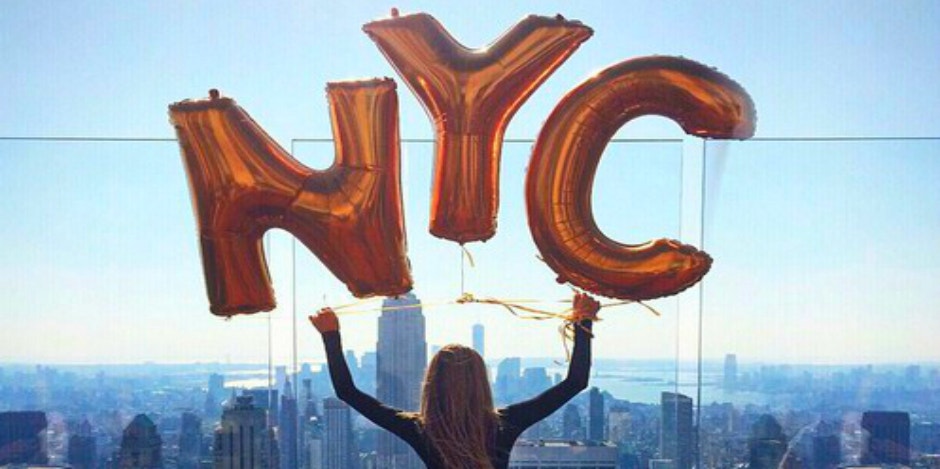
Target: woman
column 457, row 425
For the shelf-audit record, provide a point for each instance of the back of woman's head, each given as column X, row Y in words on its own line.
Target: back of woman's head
column 457, row 408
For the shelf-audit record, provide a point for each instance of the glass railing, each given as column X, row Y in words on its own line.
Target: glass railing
column 817, row 312
column 822, row 301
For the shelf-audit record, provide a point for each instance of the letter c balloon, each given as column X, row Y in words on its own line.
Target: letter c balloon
column 704, row 102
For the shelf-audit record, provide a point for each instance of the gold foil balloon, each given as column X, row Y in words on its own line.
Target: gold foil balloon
column 471, row 95
column 243, row 183
column 704, row 102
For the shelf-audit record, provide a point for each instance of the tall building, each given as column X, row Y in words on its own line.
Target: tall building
column 82, row 453
column 887, row 438
column 508, row 376
column 767, row 444
column 401, row 361
column 21, row 438
column 215, row 394
column 310, row 431
column 731, row 372
column 571, row 423
column 368, row 367
column 596, row 415
column 287, row 425
column 925, row 438
column 190, row 444
column 280, row 376
column 243, row 438
column 675, row 437
column 338, row 449
column 141, row 445
column 265, row 399
column 619, row 422
column 479, row 339
column 535, row 380
column 562, row 453
column 313, row 456
column 827, row 448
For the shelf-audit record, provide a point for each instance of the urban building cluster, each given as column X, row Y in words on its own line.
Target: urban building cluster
column 815, row 418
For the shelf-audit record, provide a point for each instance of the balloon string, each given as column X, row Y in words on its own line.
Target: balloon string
column 464, row 256
column 512, row 305
column 466, row 253
column 567, row 329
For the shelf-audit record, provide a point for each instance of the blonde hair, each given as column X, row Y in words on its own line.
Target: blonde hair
column 457, row 408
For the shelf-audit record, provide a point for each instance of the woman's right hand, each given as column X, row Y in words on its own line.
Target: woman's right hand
column 325, row 320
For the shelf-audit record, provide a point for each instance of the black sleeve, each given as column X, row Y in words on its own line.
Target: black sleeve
column 382, row 415
column 524, row 414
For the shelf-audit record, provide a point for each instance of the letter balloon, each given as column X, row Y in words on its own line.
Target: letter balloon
column 243, row 183
column 471, row 95
column 704, row 102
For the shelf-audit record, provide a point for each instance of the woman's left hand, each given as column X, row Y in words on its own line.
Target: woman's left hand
column 325, row 321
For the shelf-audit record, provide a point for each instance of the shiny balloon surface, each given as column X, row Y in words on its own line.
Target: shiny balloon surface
column 243, row 183
column 560, row 176
column 471, row 95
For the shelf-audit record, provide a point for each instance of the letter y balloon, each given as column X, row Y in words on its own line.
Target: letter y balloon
column 470, row 96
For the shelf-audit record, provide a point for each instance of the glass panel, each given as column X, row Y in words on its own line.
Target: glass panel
column 821, row 299
column 105, row 314
column 636, row 198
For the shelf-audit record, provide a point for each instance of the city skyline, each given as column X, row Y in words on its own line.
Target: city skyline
column 824, row 249
column 827, row 420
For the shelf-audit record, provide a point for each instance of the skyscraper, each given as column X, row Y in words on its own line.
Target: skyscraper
column 265, row 399
column 619, row 422
column 82, row 447
column 287, row 428
column 338, row 447
column 313, row 457
column 535, row 380
column 508, row 379
column 401, row 362
column 190, row 441
column 827, row 449
column 675, row 437
column 731, row 372
column 596, row 415
column 215, row 394
column 310, row 401
column 243, row 438
column 571, row 423
column 310, row 430
column 479, row 339
column 368, row 368
column 767, row 444
column 141, row 445
column 887, row 438
column 21, row 437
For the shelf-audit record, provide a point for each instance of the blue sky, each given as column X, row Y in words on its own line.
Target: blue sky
column 824, row 250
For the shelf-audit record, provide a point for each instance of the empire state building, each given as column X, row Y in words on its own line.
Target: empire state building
column 401, row 361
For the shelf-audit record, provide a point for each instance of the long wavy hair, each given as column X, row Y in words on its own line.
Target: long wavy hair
column 457, row 408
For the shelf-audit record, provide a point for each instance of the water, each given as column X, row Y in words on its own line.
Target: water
column 634, row 382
